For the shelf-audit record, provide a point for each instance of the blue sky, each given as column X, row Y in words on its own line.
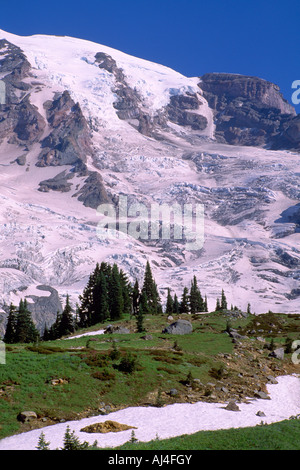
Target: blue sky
column 260, row 38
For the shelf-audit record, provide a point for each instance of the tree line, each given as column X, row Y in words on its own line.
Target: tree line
column 107, row 296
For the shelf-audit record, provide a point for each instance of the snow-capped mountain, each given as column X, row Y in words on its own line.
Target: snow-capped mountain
column 83, row 124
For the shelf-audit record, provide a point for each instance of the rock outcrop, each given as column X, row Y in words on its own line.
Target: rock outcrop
column 247, row 110
column 179, row 327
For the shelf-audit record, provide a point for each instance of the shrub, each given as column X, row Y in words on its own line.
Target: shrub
column 128, row 364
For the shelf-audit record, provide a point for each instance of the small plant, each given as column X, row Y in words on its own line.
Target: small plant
column 176, row 347
column 217, row 373
column 128, row 363
column 159, row 400
column 114, row 353
column 133, row 439
column 71, row 442
column 42, row 443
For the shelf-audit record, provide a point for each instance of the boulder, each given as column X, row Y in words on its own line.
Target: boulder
column 26, row 416
column 232, row 406
column 147, row 337
column 277, row 353
column 121, row 330
column 179, row 327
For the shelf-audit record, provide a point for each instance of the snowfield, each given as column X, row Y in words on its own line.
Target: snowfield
column 50, row 238
column 172, row 420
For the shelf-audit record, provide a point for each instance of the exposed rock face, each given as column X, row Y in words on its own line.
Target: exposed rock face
column 69, row 142
column 93, row 192
column 20, row 121
column 130, row 106
column 289, row 137
column 60, row 182
column 44, row 308
column 180, row 111
column 248, row 110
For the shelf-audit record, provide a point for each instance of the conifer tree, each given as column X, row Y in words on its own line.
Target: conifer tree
column 10, row 332
column 176, row 305
column 42, row 443
column 66, row 325
column 223, row 301
column 150, row 290
column 126, row 292
column 140, row 320
column 86, row 301
column 196, row 300
column 135, row 297
column 184, row 304
column 205, row 304
column 54, row 330
column 115, row 295
column 218, row 305
column 101, row 304
column 46, row 334
column 170, row 303
column 26, row 331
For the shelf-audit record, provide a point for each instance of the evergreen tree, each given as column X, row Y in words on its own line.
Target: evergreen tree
column 205, row 304
column 66, row 325
column 54, row 330
column 140, row 320
column 72, row 442
column 143, row 303
column 100, row 299
column 218, row 305
column 42, row 443
column 184, row 304
column 196, row 300
column 223, row 301
column 115, row 295
column 126, row 292
column 26, row 331
column 170, row 303
column 46, row 334
column 135, row 297
column 176, row 305
column 150, row 290
column 10, row 332
column 87, row 301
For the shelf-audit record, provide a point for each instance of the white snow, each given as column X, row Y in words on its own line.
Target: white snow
column 172, row 420
column 90, row 333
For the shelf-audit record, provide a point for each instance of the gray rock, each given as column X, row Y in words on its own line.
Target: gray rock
column 272, row 379
column 173, row 392
column 262, row 395
column 147, row 337
column 121, row 330
column 235, row 335
column 26, row 416
column 277, row 353
column 260, row 413
column 232, row 406
column 179, row 327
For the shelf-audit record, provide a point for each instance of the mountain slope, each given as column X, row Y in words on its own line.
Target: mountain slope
column 84, row 124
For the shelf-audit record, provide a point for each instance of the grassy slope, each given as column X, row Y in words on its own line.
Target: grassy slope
column 25, row 380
